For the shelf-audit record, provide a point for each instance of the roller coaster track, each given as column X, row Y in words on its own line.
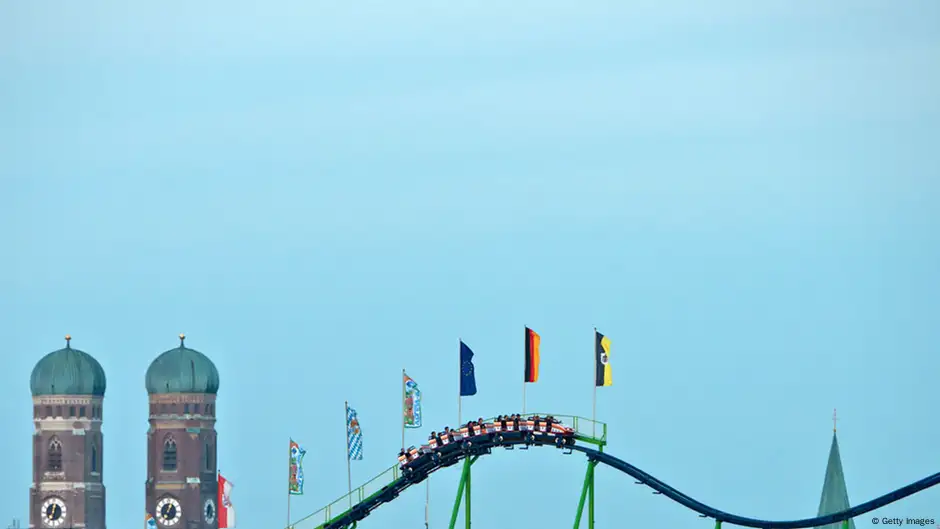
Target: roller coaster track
column 711, row 512
column 389, row 489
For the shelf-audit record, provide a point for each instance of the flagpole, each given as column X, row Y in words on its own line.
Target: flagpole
column 288, row 484
column 524, row 375
column 403, row 408
column 348, row 469
column 594, row 399
column 523, row 395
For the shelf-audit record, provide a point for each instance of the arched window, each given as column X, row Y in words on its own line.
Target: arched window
column 169, row 454
column 54, row 459
column 94, row 457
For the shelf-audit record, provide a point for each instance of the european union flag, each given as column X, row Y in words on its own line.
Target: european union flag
column 468, row 381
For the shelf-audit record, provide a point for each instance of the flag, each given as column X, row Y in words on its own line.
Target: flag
column 226, row 514
column 412, row 404
column 468, row 379
column 296, row 484
column 353, row 434
column 151, row 523
column 602, row 360
column 532, row 340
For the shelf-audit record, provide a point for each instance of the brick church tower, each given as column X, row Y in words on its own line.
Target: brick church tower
column 182, row 485
column 67, row 492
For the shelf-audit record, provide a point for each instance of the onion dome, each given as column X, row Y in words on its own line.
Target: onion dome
column 68, row 371
column 182, row 370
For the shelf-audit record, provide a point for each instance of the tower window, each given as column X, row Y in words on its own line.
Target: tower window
column 205, row 458
column 196, row 409
column 54, row 456
column 48, row 411
column 94, row 458
column 186, row 408
column 72, row 411
column 36, row 411
column 81, row 412
column 169, row 454
column 58, row 411
column 163, row 408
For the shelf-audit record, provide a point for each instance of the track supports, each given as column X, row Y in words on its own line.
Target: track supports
column 587, row 492
column 463, row 491
column 591, row 497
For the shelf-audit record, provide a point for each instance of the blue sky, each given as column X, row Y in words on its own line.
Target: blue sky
column 742, row 195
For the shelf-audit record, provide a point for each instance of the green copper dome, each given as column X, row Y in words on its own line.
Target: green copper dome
column 182, row 370
column 68, row 372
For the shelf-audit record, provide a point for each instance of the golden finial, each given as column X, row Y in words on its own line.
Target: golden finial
column 68, row 338
column 834, row 419
column 182, row 337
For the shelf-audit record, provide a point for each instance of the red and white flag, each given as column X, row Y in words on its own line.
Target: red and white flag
column 226, row 509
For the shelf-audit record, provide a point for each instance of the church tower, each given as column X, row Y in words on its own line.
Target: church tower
column 182, row 485
column 67, row 492
column 835, row 496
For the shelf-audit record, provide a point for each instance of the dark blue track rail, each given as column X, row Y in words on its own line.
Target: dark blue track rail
column 485, row 445
column 744, row 521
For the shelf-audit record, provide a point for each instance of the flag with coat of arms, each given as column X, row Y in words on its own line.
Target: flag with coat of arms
column 353, row 434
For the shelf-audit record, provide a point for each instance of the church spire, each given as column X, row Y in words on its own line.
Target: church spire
column 835, row 496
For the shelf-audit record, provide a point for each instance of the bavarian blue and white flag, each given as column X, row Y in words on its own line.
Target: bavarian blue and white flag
column 412, row 404
column 353, row 434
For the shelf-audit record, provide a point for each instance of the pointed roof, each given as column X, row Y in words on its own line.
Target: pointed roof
column 835, row 496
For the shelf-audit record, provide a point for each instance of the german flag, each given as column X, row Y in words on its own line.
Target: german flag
column 532, row 341
column 602, row 360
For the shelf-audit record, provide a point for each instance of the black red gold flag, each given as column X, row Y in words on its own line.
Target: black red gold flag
column 532, row 341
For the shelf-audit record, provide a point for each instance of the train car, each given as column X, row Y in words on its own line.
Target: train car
column 480, row 438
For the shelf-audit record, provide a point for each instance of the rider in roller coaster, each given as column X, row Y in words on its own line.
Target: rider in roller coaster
column 478, row 427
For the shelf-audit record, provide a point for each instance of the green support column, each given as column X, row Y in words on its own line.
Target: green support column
column 717, row 524
column 591, row 492
column 463, row 491
column 591, row 500
column 460, row 486
column 588, row 480
column 466, row 507
column 845, row 524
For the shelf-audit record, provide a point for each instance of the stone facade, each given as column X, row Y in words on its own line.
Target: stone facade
column 181, row 461
column 67, row 463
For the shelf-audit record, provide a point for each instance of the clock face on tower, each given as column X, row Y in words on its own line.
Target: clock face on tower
column 169, row 511
column 53, row 512
column 208, row 511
